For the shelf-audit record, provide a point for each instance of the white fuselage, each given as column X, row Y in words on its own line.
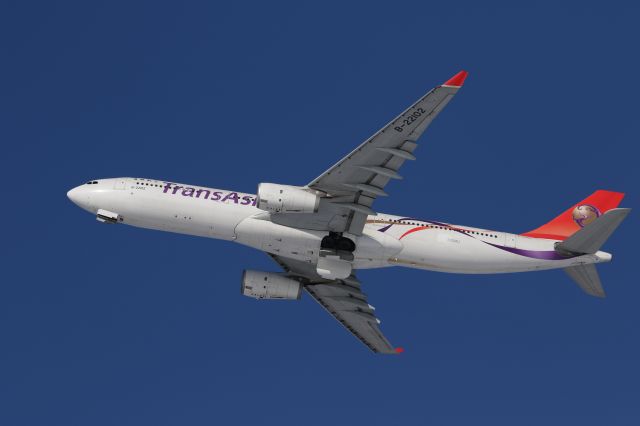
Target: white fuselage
column 386, row 240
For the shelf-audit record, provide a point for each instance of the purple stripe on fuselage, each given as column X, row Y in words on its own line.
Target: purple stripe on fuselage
column 534, row 254
column 546, row 255
column 385, row 228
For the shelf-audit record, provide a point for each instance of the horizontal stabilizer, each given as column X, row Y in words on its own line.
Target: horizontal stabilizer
column 587, row 278
column 590, row 238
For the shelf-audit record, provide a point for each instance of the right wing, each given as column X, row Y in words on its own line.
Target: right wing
column 344, row 300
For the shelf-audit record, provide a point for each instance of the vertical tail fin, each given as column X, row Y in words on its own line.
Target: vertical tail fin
column 578, row 216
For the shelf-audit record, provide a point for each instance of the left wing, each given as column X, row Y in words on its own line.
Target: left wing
column 354, row 182
column 351, row 185
column 344, row 300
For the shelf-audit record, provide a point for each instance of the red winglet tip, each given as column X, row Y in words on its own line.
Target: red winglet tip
column 457, row 80
column 399, row 350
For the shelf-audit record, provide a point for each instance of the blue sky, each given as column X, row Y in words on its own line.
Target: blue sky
column 115, row 325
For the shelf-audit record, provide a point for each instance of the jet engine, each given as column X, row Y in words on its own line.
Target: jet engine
column 268, row 285
column 276, row 198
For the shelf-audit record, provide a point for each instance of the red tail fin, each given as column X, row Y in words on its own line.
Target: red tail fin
column 578, row 215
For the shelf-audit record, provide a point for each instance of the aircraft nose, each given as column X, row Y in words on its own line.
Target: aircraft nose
column 81, row 197
column 74, row 195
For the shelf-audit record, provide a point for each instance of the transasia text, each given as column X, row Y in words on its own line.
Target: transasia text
column 209, row 194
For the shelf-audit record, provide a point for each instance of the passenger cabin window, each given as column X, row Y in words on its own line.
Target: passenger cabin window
column 139, row 182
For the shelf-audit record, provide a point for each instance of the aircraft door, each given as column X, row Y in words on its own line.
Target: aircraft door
column 510, row 240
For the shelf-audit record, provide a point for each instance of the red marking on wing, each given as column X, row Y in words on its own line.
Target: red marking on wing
column 457, row 80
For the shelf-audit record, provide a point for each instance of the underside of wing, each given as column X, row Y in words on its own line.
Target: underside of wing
column 358, row 179
column 344, row 300
column 349, row 306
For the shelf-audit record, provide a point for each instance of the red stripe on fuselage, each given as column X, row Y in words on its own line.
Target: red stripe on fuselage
column 412, row 230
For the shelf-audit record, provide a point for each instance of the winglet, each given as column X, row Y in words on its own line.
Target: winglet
column 457, row 80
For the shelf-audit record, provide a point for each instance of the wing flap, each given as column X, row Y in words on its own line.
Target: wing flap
column 401, row 134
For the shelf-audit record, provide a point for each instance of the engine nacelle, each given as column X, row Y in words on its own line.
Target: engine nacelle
column 268, row 285
column 276, row 198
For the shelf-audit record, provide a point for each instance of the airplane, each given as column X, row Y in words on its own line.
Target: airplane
column 322, row 232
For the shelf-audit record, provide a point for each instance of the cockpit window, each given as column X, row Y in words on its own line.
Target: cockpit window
column 93, row 182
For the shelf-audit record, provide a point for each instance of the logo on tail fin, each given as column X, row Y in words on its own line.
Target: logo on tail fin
column 584, row 214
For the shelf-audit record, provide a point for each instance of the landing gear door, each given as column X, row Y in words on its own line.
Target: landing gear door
column 120, row 184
